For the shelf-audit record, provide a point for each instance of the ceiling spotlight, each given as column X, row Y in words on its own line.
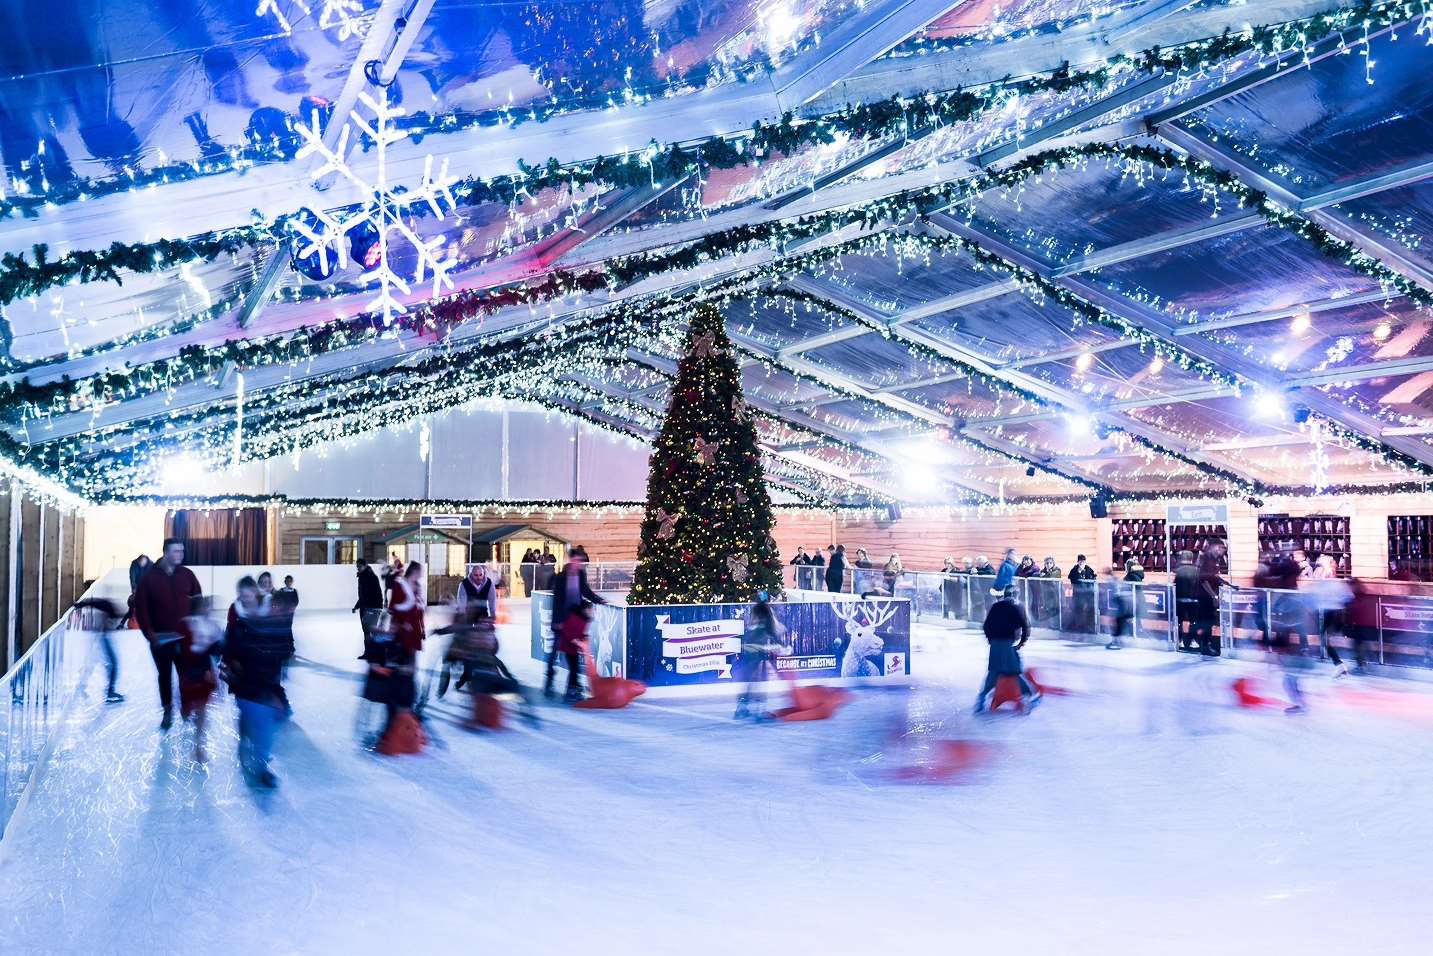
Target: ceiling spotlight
column 1029, row 471
column 1268, row 405
column 1078, row 424
column 1084, row 361
column 1382, row 330
column 1156, row 365
column 1301, row 322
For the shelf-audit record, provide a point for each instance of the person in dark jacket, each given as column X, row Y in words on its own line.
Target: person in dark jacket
column 370, row 600
column 287, row 596
column 1206, row 612
column 1007, row 629
column 256, row 647
column 1082, row 589
column 836, row 567
column 137, row 567
column 162, row 601
column 1186, row 600
column 571, row 594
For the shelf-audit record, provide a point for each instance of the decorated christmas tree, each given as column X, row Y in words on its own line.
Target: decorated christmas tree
column 707, row 533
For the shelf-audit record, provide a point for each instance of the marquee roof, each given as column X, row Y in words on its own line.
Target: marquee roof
column 1201, row 276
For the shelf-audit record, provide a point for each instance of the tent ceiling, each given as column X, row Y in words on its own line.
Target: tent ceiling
column 873, row 369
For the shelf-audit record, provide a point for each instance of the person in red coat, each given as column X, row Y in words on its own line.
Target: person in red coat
column 405, row 606
column 162, row 601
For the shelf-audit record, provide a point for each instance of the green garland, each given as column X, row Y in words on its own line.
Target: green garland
column 894, row 116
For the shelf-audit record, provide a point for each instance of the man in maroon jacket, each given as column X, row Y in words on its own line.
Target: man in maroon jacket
column 161, row 602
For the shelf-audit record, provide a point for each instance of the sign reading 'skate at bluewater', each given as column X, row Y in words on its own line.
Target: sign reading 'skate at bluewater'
column 699, row 644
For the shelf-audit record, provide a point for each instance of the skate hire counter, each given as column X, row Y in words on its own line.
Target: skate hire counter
column 693, row 644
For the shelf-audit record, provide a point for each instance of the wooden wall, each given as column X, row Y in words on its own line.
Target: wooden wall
column 921, row 542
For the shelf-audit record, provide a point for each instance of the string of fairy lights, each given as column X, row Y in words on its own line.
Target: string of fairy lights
column 23, row 276
column 327, row 403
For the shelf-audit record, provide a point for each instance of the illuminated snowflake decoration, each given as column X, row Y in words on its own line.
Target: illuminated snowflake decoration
column 327, row 234
column 345, row 17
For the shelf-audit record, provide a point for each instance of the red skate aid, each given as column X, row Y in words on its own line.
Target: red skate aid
column 948, row 762
column 1247, row 695
column 403, row 736
column 1043, row 688
column 1007, row 691
column 608, row 693
column 812, row 702
column 487, row 712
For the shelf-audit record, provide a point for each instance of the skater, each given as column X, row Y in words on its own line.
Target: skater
column 1007, row 629
column 1005, row 576
column 137, row 567
column 370, row 599
column 102, row 616
column 1186, row 601
column 760, row 645
column 405, row 605
column 1126, row 602
column 570, row 595
column 266, row 586
column 195, row 664
column 161, row 602
column 288, row 594
column 1361, row 621
column 255, row 649
column 476, row 592
column 950, row 588
column 475, row 650
column 1330, row 595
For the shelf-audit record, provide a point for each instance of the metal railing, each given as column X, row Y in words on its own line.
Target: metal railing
column 37, row 693
column 1140, row 610
column 601, row 575
column 1394, row 629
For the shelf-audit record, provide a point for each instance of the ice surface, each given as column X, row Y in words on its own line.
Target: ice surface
column 1143, row 813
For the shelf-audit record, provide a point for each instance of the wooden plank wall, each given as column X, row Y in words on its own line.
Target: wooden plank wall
column 1368, row 526
column 922, row 542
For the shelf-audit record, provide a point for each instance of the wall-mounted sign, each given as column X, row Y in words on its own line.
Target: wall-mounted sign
column 449, row 522
column 1198, row 514
column 332, row 526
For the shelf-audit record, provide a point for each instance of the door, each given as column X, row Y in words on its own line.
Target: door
column 329, row 550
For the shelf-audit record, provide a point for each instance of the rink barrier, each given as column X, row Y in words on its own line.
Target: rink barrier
column 39, row 691
column 1401, row 639
column 846, row 640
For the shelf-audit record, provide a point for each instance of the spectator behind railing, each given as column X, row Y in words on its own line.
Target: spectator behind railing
column 835, row 567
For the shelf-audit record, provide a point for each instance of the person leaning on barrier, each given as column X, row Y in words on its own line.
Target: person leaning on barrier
column 836, row 567
column 1186, row 600
column 1082, row 590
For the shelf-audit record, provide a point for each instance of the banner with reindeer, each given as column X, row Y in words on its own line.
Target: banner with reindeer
column 700, row 643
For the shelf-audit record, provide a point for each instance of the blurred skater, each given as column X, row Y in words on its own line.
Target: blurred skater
column 161, row 602
column 476, row 592
column 405, row 606
column 1186, row 601
column 101, row 616
column 1206, row 609
column 475, row 650
column 760, row 644
column 1330, row 595
column 200, row 640
column 256, row 646
column 137, row 567
column 1007, row 628
column 571, row 596
column 1126, row 602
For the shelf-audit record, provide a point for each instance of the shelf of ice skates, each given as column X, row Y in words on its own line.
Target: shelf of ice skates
column 1135, row 759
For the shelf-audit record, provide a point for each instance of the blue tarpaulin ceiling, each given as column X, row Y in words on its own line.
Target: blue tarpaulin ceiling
column 954, row 359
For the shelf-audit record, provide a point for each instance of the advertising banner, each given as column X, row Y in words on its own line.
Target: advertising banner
column 697, row 644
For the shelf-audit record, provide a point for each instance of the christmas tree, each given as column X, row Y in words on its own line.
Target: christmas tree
column 707, row 533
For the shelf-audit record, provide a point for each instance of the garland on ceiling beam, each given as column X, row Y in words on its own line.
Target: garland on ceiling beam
column 893, row 116
column 441, row 316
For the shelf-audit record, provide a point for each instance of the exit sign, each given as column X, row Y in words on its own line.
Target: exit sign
column 331, row 525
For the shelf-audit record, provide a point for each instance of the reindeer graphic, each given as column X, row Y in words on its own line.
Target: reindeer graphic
column 863, row 646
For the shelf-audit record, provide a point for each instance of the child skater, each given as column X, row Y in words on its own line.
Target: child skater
column 475, row 650
column 760, row 645
column 199, row 641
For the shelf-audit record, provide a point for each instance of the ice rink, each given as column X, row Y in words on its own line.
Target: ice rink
column 1141, row 813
